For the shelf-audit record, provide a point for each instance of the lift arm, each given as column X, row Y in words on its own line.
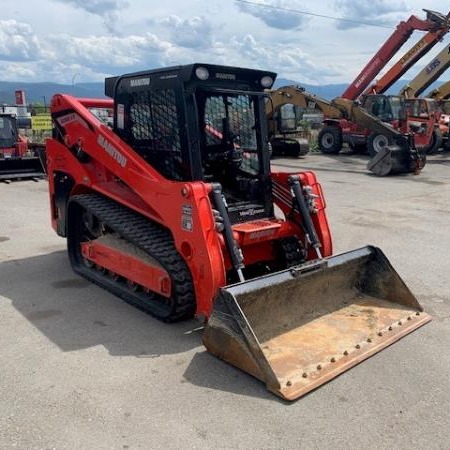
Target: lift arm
column 299, row 97
column 428, row 74
column 435, row 24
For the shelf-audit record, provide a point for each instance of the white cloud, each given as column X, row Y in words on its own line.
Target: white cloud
column 108, row 10
column 100, row 52
column 195, row 32
column 368, row 11
column 276, row 17
column 17, row 42
column 64, row 37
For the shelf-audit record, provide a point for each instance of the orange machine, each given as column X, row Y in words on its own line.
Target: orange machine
column 177, row 211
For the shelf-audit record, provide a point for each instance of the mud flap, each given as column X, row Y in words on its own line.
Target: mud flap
column 393, row 159
column 299, row 328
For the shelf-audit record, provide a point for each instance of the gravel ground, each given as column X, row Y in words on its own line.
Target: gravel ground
column 81, row 369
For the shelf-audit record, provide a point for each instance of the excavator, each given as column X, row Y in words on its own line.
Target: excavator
column 286, row 137
column 176, row 210
column 18, row 158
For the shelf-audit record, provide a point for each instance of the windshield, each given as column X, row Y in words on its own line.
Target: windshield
column 383, row 107
column 7, row 132
column 229, row 132
column 397, row 105
column 417, row 108
column 446, row 107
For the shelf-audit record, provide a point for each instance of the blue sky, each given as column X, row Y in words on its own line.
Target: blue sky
column 86, row 40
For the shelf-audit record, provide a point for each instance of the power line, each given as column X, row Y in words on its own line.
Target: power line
column 296, row 11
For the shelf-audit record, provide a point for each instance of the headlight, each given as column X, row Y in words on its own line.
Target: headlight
column 202, row 73
column 266, row 81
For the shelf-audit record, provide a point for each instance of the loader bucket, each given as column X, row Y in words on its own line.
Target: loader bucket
column 299, row 328
column 20, row 168
column 394, row 159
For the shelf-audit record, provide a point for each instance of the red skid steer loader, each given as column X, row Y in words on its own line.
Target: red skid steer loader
column 175, row 209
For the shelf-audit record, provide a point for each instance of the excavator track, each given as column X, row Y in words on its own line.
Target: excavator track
column 144, row 236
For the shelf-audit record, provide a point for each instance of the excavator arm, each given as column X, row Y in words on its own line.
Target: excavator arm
column 284, row 135
column 437, row 26
column 297, row 96
column 428, row 74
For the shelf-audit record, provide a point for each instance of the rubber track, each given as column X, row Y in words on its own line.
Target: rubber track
column 155, row 241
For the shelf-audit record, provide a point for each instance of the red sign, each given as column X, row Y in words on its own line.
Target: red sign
column 20, row 98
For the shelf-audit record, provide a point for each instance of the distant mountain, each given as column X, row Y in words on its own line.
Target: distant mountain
column 330, row 91
column 40, row 92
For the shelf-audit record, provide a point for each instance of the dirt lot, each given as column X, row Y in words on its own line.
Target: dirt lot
column 81, row 369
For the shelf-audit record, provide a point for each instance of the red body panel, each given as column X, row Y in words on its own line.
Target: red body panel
column 118, row 172
column 148, row 276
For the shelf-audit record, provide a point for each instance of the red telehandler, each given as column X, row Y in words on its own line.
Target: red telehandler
column 390, row 144
column 177, row 211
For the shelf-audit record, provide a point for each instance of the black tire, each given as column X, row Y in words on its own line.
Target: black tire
column 376, row 142
column 330, row 140
column 436, row 142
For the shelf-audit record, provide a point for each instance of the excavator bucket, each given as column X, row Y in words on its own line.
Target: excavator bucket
column 299, row 328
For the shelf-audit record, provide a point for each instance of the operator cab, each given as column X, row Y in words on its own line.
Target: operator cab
column 8, row 131
column 387, row 108
column 201, row 123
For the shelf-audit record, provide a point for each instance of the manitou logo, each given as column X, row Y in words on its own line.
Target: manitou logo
column 225, row 76
column 112, row 151
column 364, row 75
column 136, row 82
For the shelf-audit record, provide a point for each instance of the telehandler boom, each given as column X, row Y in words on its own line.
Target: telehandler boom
column 436, row 24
